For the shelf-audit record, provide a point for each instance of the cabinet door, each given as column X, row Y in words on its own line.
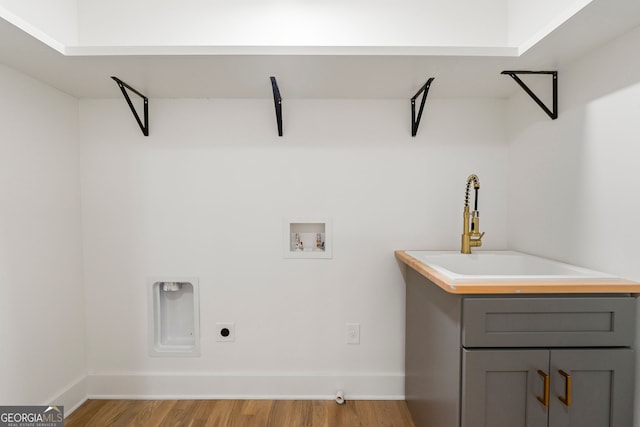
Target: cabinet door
column 601, row 388
column 500, row 388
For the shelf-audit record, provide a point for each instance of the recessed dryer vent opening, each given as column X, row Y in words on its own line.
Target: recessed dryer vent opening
column 174, row 317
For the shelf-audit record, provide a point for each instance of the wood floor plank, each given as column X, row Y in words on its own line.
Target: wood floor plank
column 84, row 412
column 319, row 414
column 203, row 413
column 146, row 410
column 366, row 412
column 258, row 411
column 106, row 414
column 180, row 415
column 240, row 413
column 222, row 414
column 285, row 411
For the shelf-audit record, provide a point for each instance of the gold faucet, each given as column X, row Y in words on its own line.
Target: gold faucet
column 471, row 236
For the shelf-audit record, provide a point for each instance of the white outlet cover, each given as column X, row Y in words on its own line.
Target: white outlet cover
column 353, row 333
column 231, row 327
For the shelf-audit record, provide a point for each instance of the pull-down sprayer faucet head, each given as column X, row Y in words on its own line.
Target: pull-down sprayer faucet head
column 471, row 236
column 476, row 186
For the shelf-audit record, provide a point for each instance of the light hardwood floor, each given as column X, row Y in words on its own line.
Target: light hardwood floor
column 241, row 413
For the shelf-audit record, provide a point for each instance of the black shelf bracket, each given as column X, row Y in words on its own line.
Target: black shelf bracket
column 277, row 101
column 123, row 87
column 554, row 74
column 415, row 122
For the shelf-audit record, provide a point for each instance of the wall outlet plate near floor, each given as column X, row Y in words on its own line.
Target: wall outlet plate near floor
column 225, row 332
column 353, row 333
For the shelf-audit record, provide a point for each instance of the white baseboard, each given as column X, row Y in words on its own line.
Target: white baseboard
column 71, row 396
column 212, row 386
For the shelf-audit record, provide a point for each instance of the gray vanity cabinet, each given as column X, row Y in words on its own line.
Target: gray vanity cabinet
column 507, row 388
column 602, row 387
column 499, row 388
column 481, row 360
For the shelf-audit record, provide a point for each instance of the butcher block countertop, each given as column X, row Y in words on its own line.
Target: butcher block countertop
column 591, row 286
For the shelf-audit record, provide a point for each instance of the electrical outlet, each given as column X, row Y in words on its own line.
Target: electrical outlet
column 353, row 333
column 225, row 332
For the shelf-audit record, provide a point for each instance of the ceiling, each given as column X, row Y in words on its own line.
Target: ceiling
column 313, row 72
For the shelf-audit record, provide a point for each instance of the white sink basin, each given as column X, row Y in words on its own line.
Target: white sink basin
column 497, row 266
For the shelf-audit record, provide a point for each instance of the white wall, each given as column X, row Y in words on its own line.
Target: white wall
column 42, row 359
column 573, row 180
column 54, row 22
column 294, row 23
column 573, row 192
column 530, row 21
column 205, row 196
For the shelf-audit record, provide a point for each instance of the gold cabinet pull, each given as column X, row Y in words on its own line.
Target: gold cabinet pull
column 545, row 398
column 567, row 388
